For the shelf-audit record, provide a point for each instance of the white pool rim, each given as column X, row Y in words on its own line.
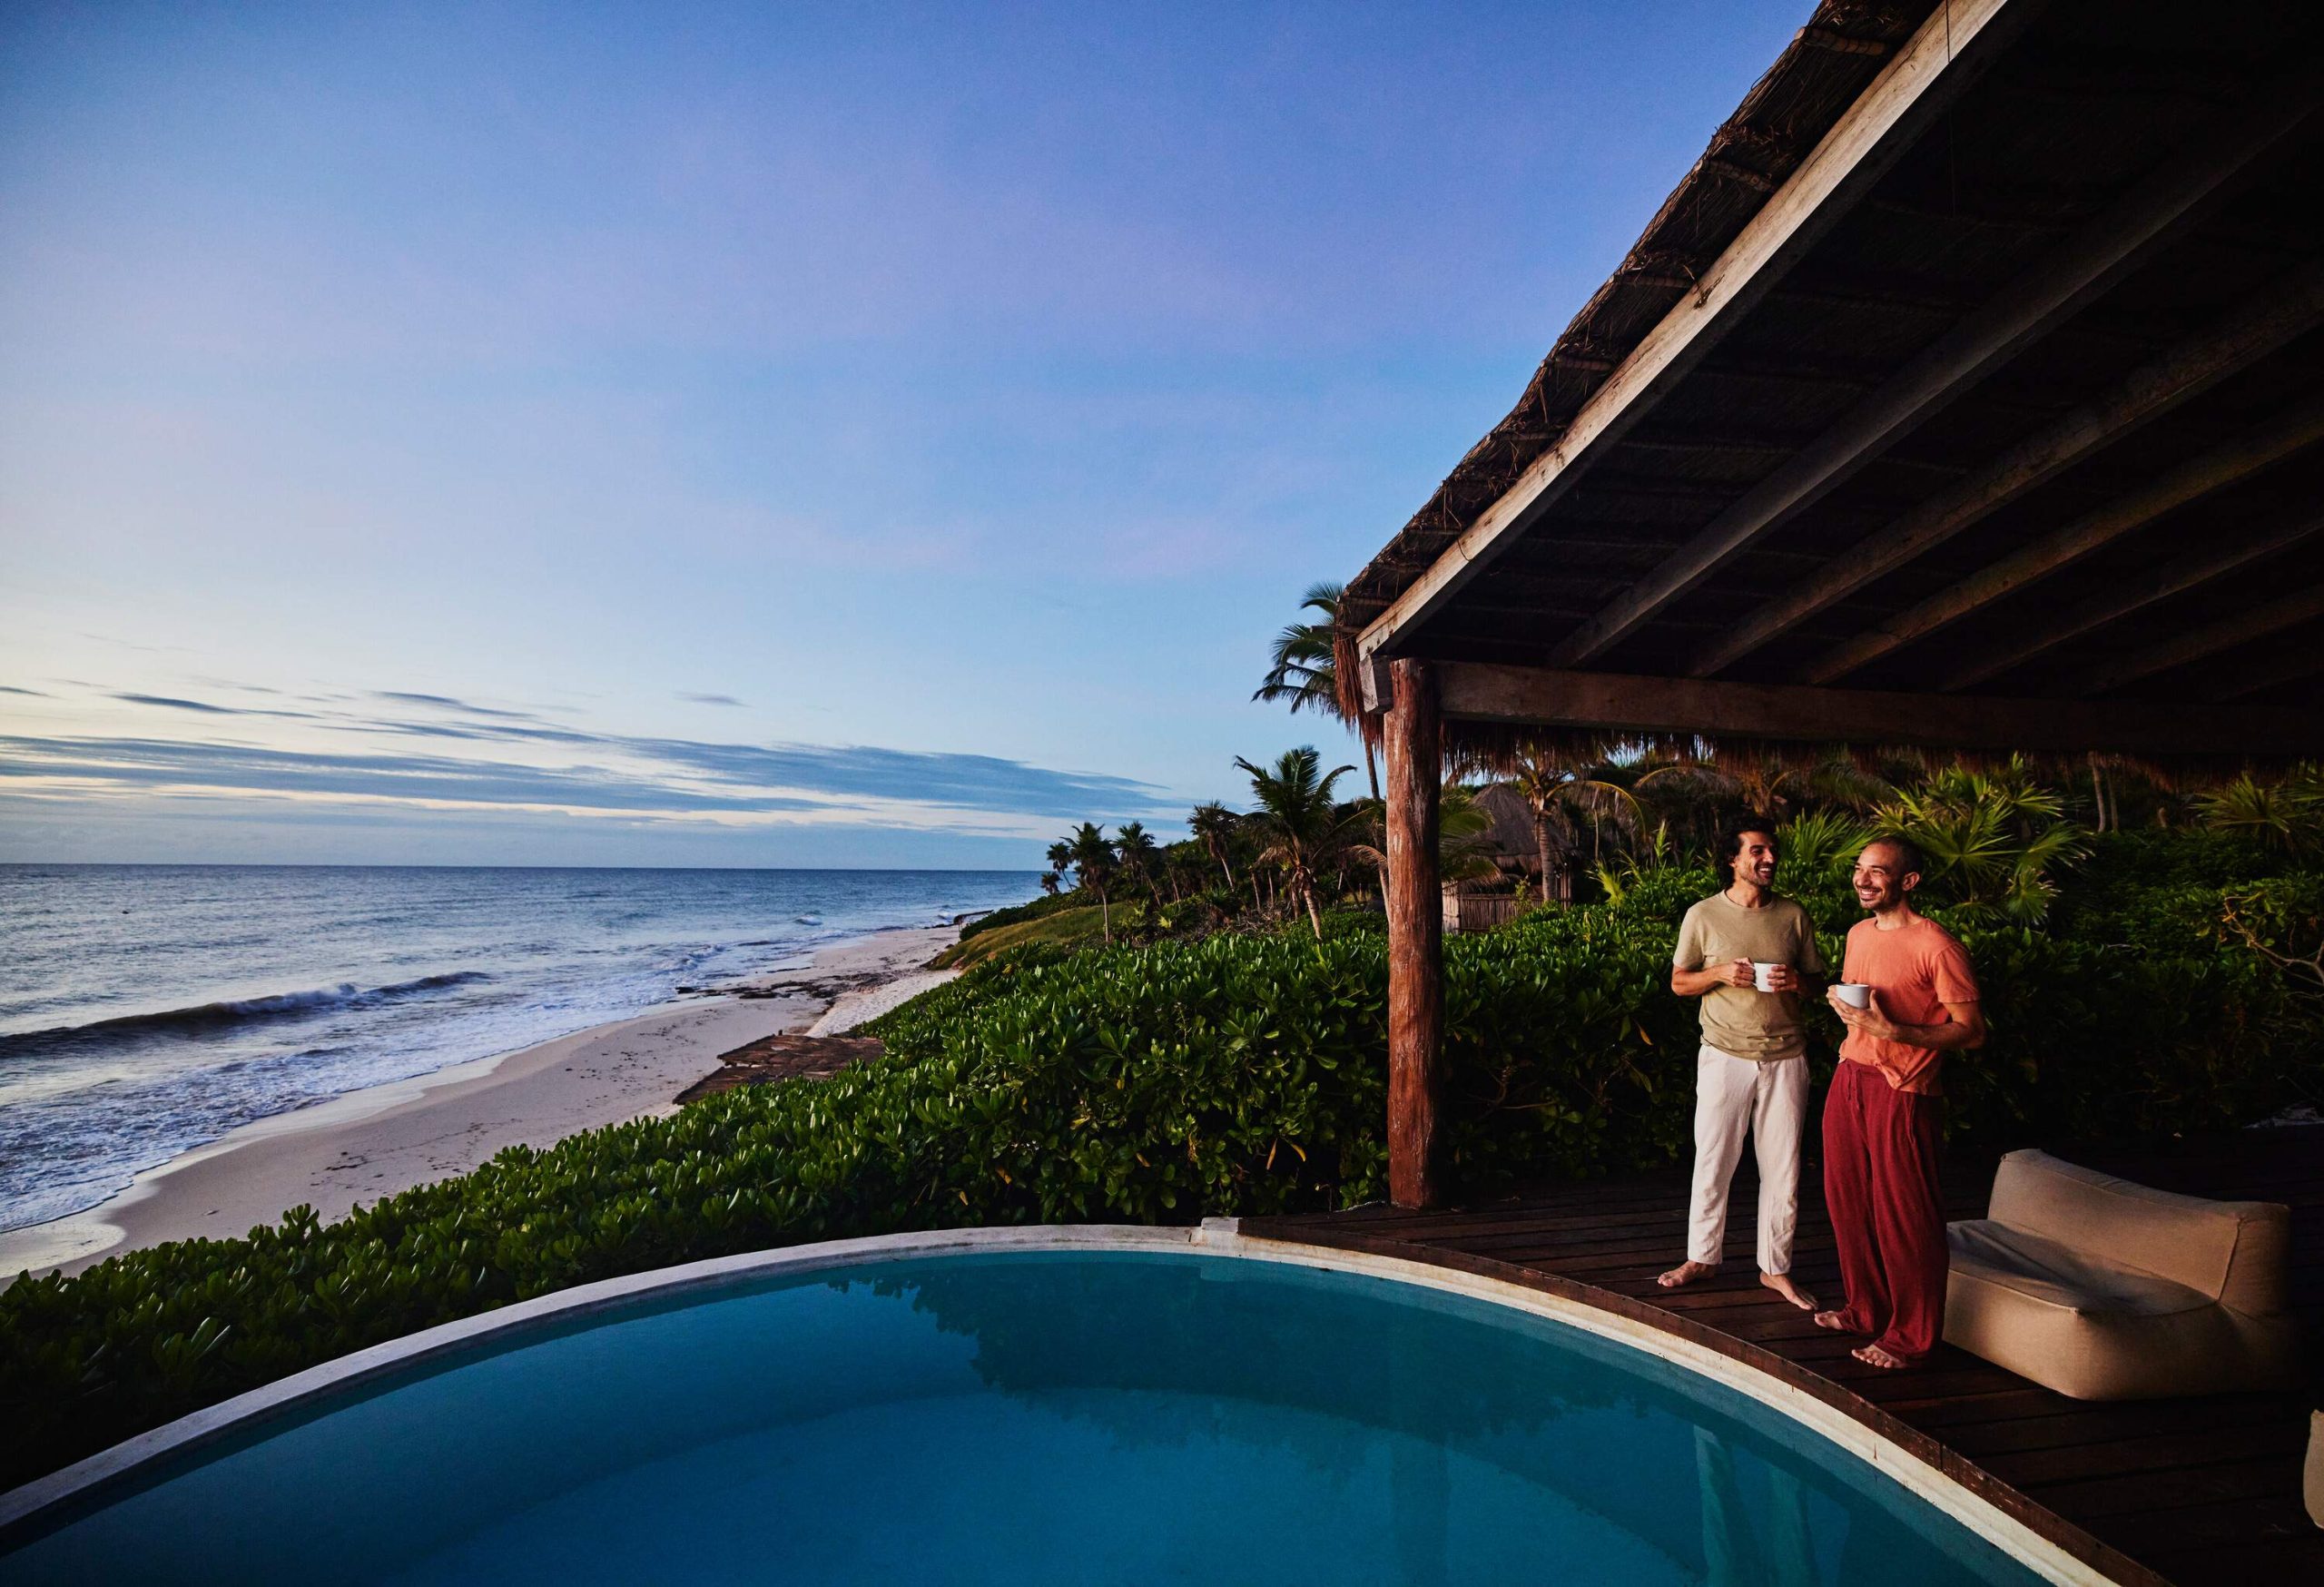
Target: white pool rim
column 1213, row 1237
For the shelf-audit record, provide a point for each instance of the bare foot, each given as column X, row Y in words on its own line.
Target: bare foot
column 1782, row 1284
column 1874, row 1355
column 1686, row 1273
column 1836, row 1321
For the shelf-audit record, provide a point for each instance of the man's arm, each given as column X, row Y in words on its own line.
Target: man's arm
column 1964, row 1027
column 1694, row 983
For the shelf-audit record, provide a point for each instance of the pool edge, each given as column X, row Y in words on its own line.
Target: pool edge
column 24, row 1509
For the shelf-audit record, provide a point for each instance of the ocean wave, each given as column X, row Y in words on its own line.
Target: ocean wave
column 229, row 1012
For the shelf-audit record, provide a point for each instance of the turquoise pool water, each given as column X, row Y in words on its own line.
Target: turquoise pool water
column 1030, row 1417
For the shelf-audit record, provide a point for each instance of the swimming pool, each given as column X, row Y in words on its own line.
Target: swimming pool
column 1112, row 1412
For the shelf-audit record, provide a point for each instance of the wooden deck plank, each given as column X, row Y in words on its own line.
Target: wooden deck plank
column 2194, row 1491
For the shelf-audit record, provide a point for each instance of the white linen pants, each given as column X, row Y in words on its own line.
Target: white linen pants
column 1769, row 1102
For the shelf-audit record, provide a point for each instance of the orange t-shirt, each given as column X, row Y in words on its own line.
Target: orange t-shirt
column 1917, row 969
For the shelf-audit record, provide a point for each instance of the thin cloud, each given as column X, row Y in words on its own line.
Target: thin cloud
column 35, row 694
column 175, row 704
column 207, row 709
column 155, row 763
column 674, row 776
column 984, row 782
column 446, row 702
column 974, row 782
column 710, row 699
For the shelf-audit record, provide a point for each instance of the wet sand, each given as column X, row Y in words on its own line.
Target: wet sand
column 356, row 1148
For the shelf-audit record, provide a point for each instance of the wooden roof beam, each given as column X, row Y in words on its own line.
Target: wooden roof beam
column 1949, row 51
column 2253, row 331
column 1547, row 697
column 2176, row 575
column 2257, row 622
column 2222, row 466
column 1914, row 298
column 2052, row 290
column 2290, row 669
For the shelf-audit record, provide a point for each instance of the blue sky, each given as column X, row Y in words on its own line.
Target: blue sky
column 752, row 435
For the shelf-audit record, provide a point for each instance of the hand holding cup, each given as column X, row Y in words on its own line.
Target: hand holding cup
column 1770, row 977
column 1741, row 972
column 1858, row 1008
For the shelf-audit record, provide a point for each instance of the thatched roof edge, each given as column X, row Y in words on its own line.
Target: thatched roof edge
column 1821, row 72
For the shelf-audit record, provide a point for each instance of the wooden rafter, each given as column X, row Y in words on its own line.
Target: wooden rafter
column 2050, row 292
column 2222, row 466
column 1946, row 53
column 2154, row 388
column 2297, row 668
column 2195, row 645
column 2191, row 569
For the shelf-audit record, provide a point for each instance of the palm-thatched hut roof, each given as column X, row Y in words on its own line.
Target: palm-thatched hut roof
column 1512, row 839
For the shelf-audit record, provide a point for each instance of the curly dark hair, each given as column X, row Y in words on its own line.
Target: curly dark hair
column 1730, row 843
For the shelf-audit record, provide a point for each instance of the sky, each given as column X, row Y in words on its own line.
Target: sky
column 752, row 435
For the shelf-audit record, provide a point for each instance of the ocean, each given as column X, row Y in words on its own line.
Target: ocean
column 147, row 1009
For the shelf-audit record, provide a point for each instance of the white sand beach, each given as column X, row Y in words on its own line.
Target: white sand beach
column 358, row 1147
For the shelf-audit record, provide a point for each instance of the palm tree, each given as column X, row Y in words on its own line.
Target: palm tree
column 1213, row 824
column 2286, row 815
column 1551, row 786
column 1136, row 854
column 1767, row 786
column 1464, row 847
column 1060, row 861
column 1992, row 837
column 1093, row 866
column 1304, row 671
column 1301, row 824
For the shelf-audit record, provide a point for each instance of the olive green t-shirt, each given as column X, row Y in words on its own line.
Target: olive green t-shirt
column 1738, row 1020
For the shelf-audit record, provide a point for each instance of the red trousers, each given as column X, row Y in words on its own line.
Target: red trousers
column 1881, row 1148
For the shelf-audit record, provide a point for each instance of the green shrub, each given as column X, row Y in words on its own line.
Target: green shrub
column 1066, row 928
column 1018, row 914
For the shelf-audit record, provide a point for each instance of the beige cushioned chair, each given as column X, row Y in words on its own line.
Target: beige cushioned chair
column 2106, row 1290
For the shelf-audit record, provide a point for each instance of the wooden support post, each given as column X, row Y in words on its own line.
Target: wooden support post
column 1414, row 744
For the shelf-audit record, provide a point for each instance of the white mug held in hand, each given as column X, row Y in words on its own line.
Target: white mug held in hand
column 1856, row 994
column 1763, row 975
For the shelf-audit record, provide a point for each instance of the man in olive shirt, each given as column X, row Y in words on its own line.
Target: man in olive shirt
column 1751, row 1075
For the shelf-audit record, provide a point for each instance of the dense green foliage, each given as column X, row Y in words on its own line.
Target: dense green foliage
column 2173, row 987
column 1064, row 928
column 1019, row 913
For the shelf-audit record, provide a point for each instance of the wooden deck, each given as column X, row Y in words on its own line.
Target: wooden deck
column 2193, row 1491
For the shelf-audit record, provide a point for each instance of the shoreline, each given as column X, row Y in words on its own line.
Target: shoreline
column 362, row 1146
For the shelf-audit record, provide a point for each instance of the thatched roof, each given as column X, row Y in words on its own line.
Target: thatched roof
column 1827, row 66
column 1511, row 837
column 1886, row 465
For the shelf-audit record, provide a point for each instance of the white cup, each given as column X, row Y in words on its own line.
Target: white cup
column 1763, row 973
column 1855, row 994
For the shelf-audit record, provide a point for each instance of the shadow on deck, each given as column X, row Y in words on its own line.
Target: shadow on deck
column 2194, row 1491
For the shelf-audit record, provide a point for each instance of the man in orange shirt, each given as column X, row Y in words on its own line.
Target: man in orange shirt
column 1883, row 1125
